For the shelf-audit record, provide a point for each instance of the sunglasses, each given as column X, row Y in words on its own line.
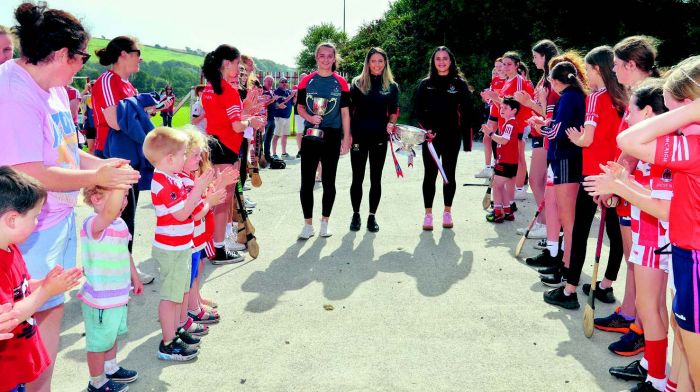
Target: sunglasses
column 137, row 51
column 283, row 81
column 85, row 56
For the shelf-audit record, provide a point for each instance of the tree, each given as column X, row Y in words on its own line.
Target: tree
column 316, row 34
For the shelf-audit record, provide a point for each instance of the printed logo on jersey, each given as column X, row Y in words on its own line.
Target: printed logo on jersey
column 452, row 90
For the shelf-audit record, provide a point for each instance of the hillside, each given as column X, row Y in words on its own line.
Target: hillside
column 161, row 55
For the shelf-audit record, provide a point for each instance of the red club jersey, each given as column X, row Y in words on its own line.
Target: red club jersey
column 222, row 110
column 109, row 89
column 510, row 87
column 508, row 152
column 602, row 115
column 169, row 196
column 681, row 154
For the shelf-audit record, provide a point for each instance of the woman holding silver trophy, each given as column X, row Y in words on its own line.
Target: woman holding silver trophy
column 323, row 101
column 443, row 106
column 374, row 107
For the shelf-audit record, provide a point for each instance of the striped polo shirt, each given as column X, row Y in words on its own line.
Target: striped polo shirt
column 105, row 265
column 169, row 196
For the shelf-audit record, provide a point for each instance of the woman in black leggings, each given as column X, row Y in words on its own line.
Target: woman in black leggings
column 326, row 143
column 374, row 107
column 443, row 105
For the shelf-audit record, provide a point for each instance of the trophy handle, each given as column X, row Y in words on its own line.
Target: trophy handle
column 312, row 104
column 335, row 103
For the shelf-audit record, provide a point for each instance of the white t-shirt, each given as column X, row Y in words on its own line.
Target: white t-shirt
column 196, row 110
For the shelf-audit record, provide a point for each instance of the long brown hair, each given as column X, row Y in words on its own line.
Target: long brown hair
column 364, row 80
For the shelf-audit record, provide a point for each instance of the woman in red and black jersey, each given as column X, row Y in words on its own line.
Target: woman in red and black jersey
column 225, row 123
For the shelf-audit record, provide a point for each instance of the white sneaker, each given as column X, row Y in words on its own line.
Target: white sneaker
column 325, row 232
column 248, row 203
column 233, row 246
column 486, row 172
column 307, row 232
column 520, row 194
column 246, row 187
column 538, row 231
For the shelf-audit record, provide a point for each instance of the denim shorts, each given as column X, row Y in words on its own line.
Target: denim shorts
column 45, row 249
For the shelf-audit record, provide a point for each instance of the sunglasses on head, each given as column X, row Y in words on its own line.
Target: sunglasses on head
column 85, row 56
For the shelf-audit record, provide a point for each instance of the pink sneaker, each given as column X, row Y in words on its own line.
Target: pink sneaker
column 428, row 222
column 447, row 220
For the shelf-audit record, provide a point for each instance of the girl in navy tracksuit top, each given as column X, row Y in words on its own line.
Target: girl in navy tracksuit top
column 564, row 157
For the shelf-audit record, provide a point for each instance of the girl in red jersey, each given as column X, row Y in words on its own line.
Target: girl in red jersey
column 633, row 63
column 654, row 141
column 226, row 124
column 542, row 104
column 513, row 84
column 498, row 78
column 604, row 108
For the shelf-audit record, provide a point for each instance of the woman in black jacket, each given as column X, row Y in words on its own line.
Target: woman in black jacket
column 374, row 109
column 443, row 105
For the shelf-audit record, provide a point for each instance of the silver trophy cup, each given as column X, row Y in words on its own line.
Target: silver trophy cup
column 319, row 106
column 406, row 138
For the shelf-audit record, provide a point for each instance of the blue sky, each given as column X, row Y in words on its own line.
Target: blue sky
column 270, row 29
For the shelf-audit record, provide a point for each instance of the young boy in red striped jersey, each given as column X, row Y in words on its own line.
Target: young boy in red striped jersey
column 166, row 148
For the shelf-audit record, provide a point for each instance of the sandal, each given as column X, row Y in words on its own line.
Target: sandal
column 195, row 329
column 204, row 317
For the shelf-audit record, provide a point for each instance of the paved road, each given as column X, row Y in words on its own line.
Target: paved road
column 446, row 310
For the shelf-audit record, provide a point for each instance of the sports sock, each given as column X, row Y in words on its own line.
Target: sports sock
column 655, row 354
column 553, row 248
column 644, row 363
column 111, row 366
column 507, row 210
column 218, row 244
column 671, row 386
column 98, row 381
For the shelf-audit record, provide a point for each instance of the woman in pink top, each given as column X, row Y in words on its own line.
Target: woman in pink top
column 40, row 140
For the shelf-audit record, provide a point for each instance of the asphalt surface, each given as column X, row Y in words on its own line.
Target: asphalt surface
column 447, row 310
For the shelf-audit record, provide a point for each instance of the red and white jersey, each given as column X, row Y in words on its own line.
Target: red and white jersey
column 508, row 152
column 623, row 209
column 169, row 196
column 198, row 236
column 510, row 87
column 108, row 90
column 649, row 233
column 222, row 111
column 681, row 154
column 602, row 115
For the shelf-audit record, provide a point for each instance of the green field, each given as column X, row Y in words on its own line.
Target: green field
column 182, row 117
column 149, row 53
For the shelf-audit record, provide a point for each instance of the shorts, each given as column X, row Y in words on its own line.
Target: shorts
column 625, row 221
column 102, row 326
column 521, row 136
column 537, row 141
column 220, row 154
column 281, row 126
column 299, row 124
column 550, row 176
column 566, row 171
column 507, row 170
column 175, row 271
column 650, row 257
column 195, row 266
column 90, row 133
column 45, row 249
column 686, row 302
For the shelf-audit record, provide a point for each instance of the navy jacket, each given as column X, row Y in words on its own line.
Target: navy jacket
column 569, row 112
column 127, row 143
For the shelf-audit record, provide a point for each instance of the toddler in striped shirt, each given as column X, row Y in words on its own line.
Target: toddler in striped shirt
column 109, row 274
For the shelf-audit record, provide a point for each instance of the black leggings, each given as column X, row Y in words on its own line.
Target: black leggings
column 129, row 213
column 312, row 152
column 244, row 161
column 585, row 211
column 448, row 150
column 376, row 152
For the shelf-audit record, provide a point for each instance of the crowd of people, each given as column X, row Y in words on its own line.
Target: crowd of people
column 606, row 130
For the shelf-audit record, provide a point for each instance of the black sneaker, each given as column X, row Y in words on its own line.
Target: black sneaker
column 176, row 351
column 541, row 244
column 110, row 386
column 632, row 372
column 602, row 295
column 123, row 375
column 224, row 256
column 613, row 323
column 631, row 343
column 644, row 387
column 543, row 260
column 558, row 298
column 356, row 222
column 187, row 337
column 372, row 225
column 556, row 280
column 549, row 270
column 513, row 207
